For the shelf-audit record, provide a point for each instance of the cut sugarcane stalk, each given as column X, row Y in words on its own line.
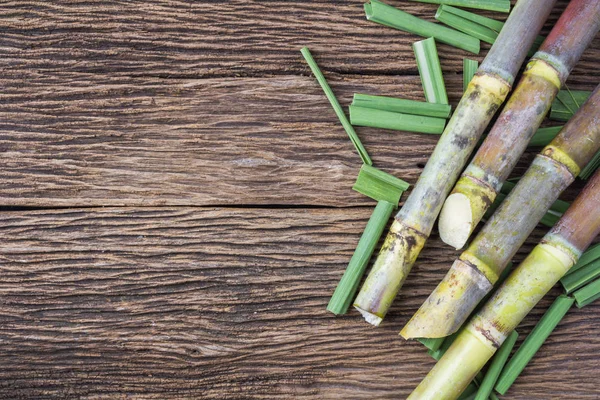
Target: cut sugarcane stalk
column 479, row 184
column 414, row 222
column 527, row 284
column 472, row 275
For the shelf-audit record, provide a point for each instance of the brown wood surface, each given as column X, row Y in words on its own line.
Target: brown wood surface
column 176, row 204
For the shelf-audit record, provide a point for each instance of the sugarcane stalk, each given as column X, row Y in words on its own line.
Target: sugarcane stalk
column 473, row 274
column 547, row 71
column 484, row 95
column 524, row 288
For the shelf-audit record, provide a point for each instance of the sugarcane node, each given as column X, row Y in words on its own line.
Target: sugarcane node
column 559, row 156
column 488, row 335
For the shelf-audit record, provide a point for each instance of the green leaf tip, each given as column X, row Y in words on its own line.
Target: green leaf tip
column 362, row 152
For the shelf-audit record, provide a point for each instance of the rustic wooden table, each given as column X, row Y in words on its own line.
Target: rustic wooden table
column 177, row 204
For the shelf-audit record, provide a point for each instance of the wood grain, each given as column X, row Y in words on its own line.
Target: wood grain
column 223, row 303
column 168, row 109
column 100, row 141
column 190, row 39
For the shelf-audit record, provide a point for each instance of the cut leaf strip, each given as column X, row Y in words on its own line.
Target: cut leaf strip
column 433, row 344
column 362, row 116
column 533, row 342
column 581, row 277
column 491, row 5
column 430, row 71
column 379, row 185
column 567, row 102
column 469, row 70
column 591, row 167
column 587, row 294
column 486, row 29
column 336, row 106
column 543, row 136
column 384, row 14
column 590, row 255
column 403, row 106
column 346, row 289
column 471, row 28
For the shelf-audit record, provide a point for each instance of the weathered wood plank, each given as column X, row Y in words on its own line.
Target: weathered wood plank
column 222, row 303
column 190, row 39
column 100, row 141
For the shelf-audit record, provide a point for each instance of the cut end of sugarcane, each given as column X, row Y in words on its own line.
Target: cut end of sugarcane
column 456, row 220
column 369, row 317
column 450, row 304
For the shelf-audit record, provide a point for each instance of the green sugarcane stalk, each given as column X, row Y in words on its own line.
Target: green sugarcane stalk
column 473, row 274
column 547, row 71
column 529, row 282
column 484, row 95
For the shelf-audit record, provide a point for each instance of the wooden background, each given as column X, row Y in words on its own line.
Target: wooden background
column 176, row 204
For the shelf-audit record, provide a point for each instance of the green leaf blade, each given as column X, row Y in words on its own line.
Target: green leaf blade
column 362, row 152
column 361, row 116
column 384, row 14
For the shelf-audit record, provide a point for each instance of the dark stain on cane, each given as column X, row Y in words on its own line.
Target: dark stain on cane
column 475, row 94
column 460, row 142
column 487, row 335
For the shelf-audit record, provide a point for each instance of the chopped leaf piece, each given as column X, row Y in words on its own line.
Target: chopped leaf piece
column 361, row 116
column 402, row 105
column 469, row 70
column 336, row 106
column 581, row 277
column 543, row 136
column 476, row 25
column 591, row 167
column 587, row 294
column 490, row 23
column 346, row 289
column 471, row 28
column 430, row 71
column 533, row 342
column 590, row 255
column 566, row 103
column 433, row 344
column 384, row 14
column 491, row 5
column 379, row 185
